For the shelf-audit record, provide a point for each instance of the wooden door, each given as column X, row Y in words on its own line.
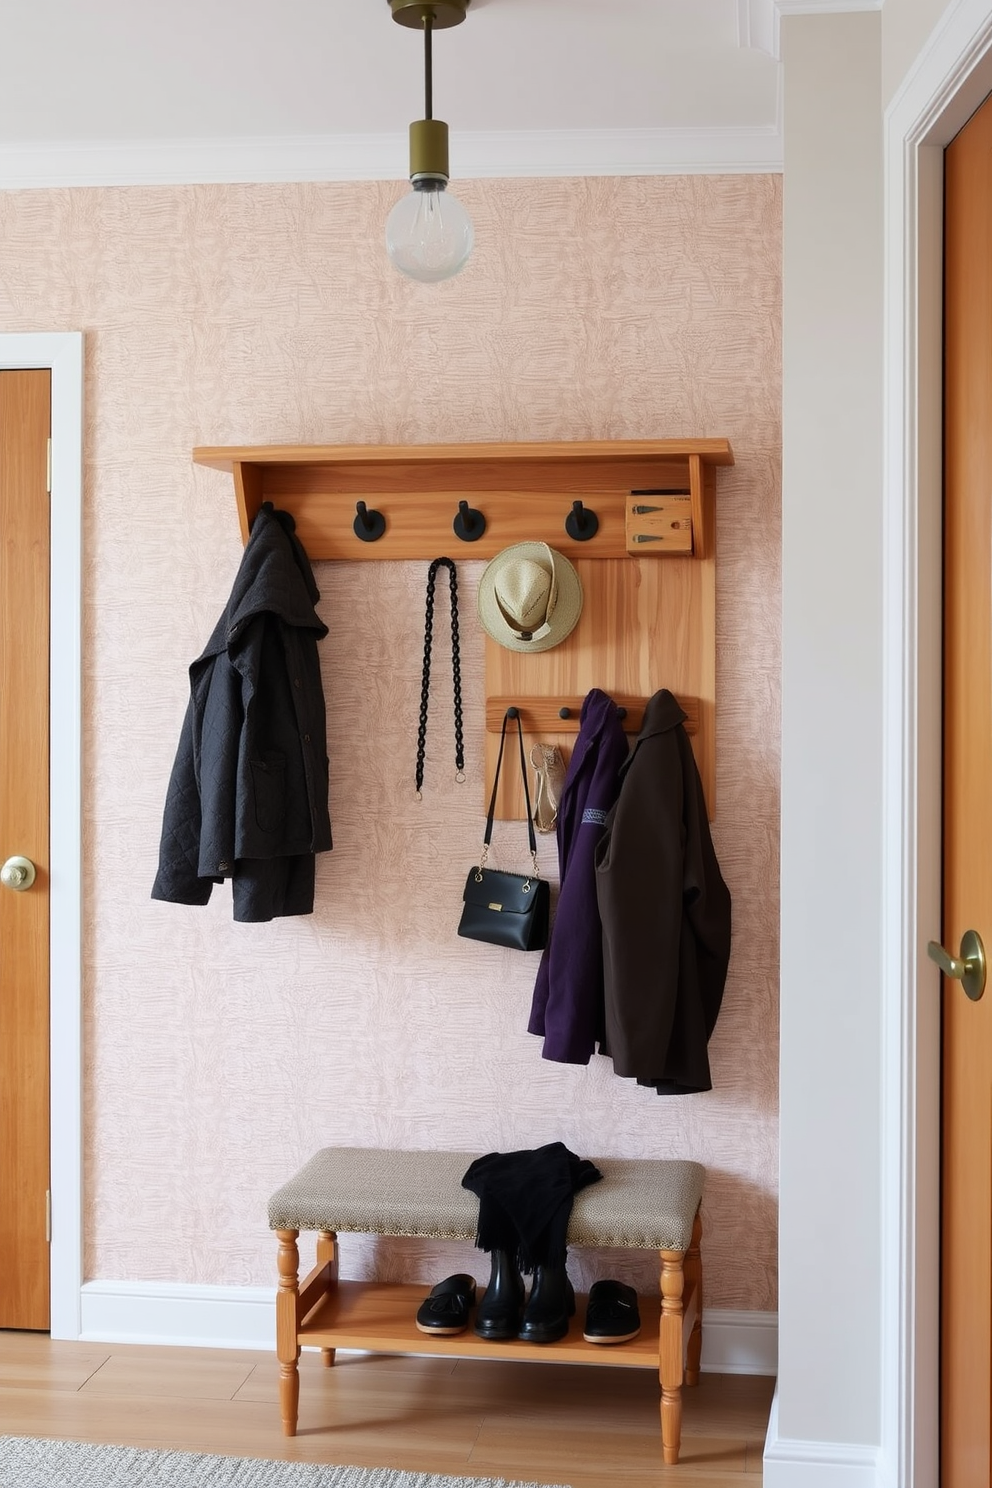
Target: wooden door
column 966, row 1288
column 25, row 426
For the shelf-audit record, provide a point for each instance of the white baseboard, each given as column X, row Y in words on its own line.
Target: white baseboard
column 177, row 1313
column 244, row 1318
column 739, row 1342
column 812, row 1464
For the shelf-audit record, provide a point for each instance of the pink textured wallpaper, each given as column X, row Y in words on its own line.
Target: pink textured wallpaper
column 218, row 1056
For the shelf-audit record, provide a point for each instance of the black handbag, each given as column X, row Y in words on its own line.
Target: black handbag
column 507, row 909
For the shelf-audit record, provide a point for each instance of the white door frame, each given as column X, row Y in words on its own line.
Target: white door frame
column 949, row 80
column 62, row 352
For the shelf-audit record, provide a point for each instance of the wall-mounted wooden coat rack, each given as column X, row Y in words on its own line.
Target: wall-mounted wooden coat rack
column 647, row 565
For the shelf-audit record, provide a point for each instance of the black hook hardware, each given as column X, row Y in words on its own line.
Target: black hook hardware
column 368, row 525
column 567, row 713
column 581, row 524
column 512, row 712
column 469, row 524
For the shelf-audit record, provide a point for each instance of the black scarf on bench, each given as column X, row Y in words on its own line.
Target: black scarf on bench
column 525, row 1201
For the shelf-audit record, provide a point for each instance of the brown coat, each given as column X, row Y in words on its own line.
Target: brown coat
column 665, row 911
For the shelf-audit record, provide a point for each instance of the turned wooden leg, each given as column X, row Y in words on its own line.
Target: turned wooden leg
column 287, row 1329
column 670, row 1353
column 327, row 1250
column 693, row 1268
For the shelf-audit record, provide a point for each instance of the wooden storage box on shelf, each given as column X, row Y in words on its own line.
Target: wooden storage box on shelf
column 659, row 524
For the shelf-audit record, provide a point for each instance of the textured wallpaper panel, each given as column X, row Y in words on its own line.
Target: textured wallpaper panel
column 218, row 1056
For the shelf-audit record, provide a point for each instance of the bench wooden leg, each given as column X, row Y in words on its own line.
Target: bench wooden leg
column 327, row 1250
column 287, row 1329
column 670, row 1353
column 693, row 1267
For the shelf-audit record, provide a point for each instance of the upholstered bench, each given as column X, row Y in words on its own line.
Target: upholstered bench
column 638, row 1204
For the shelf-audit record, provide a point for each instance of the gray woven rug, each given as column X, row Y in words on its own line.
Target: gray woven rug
column 29, row 1463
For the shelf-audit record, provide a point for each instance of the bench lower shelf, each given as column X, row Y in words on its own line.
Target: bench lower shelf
column 327, row 1313
column 381, row 1318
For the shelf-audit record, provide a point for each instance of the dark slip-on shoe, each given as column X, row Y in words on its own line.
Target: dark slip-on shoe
column 611, row 1315
column 446, row 1307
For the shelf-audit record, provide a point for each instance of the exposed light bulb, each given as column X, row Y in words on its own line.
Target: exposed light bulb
column 429, row 234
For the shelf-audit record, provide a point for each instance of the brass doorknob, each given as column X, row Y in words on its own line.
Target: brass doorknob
column 18, row 874
column 968, row 968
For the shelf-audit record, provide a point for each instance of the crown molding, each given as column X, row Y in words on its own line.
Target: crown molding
column 757, row 25
column 381, row 157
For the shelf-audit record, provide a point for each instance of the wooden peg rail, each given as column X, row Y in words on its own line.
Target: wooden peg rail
column 544, row 715
column 525, row 492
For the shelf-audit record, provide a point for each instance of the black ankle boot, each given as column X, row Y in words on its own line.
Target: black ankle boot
column 551, row 1304
column 498, row 1314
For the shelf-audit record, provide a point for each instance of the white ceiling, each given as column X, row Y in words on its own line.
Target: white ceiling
column 128, row 90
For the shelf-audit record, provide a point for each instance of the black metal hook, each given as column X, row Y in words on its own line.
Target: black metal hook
column 581, row 524
column 469, row 524
column 564, row 712
column 368, row 525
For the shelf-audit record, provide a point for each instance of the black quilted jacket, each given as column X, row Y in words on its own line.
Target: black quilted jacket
column 248, row 795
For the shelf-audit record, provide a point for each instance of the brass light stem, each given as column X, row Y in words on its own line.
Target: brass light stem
column 428, row 136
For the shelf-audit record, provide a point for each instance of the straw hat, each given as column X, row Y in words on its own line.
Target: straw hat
column 530, row 597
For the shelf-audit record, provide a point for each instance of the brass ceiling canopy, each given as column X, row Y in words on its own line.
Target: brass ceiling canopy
column 440, row 13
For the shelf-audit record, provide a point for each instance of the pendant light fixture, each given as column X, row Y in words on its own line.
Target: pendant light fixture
column 429, row 234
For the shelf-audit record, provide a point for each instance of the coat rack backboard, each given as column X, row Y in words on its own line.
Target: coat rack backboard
column 647, row 621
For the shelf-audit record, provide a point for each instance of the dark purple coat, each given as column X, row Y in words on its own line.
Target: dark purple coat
column 567, row 1006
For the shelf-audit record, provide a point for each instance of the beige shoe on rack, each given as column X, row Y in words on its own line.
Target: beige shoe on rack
column 550, row 768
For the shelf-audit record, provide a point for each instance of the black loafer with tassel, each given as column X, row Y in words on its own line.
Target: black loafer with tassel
column 446, row 1308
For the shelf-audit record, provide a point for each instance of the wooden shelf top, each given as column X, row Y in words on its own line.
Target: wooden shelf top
column 710, row 451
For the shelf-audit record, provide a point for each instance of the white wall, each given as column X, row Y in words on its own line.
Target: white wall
column 830, row 1327
column 905, row 27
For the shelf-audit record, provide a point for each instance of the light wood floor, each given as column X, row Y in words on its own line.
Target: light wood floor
column 569, row 1424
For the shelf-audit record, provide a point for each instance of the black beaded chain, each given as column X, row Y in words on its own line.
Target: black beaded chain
column 456, row 671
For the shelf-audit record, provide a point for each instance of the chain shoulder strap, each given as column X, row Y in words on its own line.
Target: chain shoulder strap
column 511, row 713
column 456, row 670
